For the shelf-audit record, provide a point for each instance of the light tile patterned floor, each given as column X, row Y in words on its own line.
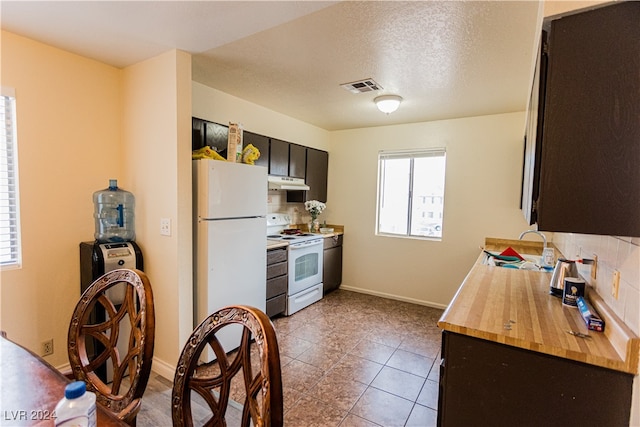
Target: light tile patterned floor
column 349, row 360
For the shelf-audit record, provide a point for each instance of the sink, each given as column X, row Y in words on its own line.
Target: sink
column 531, row 262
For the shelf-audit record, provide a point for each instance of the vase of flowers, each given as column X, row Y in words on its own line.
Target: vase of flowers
column 314, row 208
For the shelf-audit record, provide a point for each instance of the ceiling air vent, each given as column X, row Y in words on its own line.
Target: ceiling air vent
column 361, row 86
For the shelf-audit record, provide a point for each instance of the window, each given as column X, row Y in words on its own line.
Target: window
column 9, row 218
column 411, row 193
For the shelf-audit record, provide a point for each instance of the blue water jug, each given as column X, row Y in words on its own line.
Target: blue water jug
column 114, row 214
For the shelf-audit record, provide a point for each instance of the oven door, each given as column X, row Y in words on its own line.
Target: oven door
column 305, row 265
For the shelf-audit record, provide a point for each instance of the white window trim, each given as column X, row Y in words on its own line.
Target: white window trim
column 403, row 154
column 16, row 260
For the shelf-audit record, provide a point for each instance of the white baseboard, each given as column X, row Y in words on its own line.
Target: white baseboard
column 64, row 368
column 164, row 369
column 393, row 297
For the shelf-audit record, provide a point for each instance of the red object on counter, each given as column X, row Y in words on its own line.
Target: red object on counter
column 511, row 252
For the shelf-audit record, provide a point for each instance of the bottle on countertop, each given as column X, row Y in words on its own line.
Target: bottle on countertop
column 548, row 257
column 77, row 408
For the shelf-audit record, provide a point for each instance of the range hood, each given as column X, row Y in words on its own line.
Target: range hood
column 286, row 183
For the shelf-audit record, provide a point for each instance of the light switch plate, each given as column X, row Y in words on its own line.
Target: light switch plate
column 165, row 226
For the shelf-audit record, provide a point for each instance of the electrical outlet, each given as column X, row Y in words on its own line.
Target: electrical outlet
column 615, row 284
column 47, row 347
column 165, row 226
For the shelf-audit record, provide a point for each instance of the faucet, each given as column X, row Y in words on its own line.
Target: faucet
column 544, row 238
column 548, row 254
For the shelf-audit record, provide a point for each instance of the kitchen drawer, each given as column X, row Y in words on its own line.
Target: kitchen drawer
column 276, row 255
column 276, row 305
column 333, row 241
column 304, row 298
column 275, row 270
column 277, row 286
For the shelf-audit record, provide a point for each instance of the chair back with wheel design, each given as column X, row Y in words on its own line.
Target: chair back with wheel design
column 250, row 375
column 101, row 333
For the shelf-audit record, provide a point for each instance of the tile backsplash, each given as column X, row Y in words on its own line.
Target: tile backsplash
column 277, row 202
column 614, row 253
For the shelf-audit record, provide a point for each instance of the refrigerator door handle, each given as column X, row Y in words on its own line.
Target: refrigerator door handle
column 230, row 218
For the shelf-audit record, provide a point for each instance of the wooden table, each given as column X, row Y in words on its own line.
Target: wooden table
column 30, row 389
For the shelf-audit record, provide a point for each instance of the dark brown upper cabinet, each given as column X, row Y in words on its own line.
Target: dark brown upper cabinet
column 297, row 161
column 316, row 178
column 279, row 158
column 317, row 170
column 533, row 137
column 261, row 143
column 209, row 133
column 590, row 155
column 197, row 133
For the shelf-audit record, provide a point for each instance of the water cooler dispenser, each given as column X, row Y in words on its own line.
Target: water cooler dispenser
column 113, row 248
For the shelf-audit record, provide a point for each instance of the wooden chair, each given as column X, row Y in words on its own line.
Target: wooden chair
column 137, row 309
column 215, row 382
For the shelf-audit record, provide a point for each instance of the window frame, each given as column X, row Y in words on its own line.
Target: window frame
column 9, row 186
column 410, row 154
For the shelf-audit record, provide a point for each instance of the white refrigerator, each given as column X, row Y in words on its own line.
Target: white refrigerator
column 230, row 207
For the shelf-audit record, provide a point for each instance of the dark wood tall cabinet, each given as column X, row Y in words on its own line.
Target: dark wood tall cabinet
column 590, row 159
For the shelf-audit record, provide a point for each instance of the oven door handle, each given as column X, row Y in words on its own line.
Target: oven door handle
column 302, row 245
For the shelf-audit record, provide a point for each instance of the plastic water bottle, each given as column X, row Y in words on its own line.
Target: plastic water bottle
column 77, row 408
column 114, row 214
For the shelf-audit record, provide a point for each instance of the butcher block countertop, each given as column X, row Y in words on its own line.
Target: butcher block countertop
column 492, row 297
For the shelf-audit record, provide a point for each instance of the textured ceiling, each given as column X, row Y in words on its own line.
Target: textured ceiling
column 446, row 59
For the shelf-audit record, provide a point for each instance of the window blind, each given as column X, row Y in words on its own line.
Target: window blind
column 406, row 154
column 9, row 217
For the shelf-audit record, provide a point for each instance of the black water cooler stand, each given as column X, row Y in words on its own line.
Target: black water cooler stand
column 97, row 259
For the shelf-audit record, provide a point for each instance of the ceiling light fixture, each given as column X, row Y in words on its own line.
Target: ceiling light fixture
column 388, row 103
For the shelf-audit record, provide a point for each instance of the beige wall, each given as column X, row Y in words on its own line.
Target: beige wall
column 69, row 145
column 553, row 8
column 157, row 137
column 482, row 195
column 216, row 106
column 80, row 123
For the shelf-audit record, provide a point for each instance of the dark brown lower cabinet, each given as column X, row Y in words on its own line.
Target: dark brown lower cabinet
column 332, row 263
column 491, row 384
column 277, row 277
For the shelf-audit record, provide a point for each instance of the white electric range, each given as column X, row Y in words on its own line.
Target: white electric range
column 305, row 254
